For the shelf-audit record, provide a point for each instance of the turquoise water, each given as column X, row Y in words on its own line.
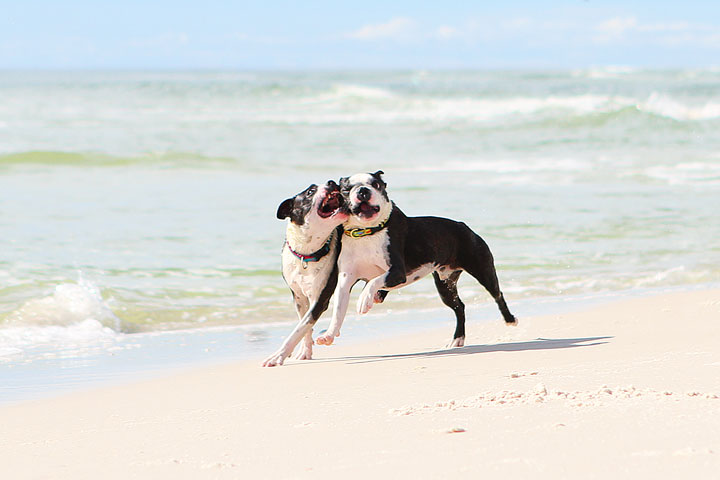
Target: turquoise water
column 145, row 202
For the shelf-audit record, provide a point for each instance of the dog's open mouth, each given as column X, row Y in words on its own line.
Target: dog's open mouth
column 330, row 204
column 365, row 210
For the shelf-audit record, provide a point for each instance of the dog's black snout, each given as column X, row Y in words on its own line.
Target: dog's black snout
column 363, row 194
column 331, row 183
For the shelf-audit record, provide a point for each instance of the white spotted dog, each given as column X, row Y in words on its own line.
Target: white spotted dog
column 309, row 261
column 389, row 250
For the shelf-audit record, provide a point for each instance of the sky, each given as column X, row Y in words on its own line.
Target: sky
column 372, row 34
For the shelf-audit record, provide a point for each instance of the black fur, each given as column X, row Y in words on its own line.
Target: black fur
column 450, row 246
column 327, row 292
column 453, row 248
column 298, row 206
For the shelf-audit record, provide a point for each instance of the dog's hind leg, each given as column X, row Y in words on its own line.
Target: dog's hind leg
column 480, row 265
column 447, row 288
column 488, row 279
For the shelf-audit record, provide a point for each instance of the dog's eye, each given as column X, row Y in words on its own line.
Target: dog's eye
column 375, row 184
column 311, row 191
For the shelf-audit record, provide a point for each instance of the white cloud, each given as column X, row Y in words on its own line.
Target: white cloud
column 616, row 27
column 397, row 28
column 408, row 30
column 446, row 32
column 538, row 32
column 619, row 25
column 680, row 33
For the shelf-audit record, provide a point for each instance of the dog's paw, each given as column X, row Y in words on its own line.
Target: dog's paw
column 456, row 342
column 366, row 301
column 325, row 339
column 511, row 321
column 276, row 359
column 304, row 352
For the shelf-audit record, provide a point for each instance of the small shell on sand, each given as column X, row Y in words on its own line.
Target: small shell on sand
column 456, row 430
column 540, row 389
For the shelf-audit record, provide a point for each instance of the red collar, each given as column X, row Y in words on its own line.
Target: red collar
column 313, row 257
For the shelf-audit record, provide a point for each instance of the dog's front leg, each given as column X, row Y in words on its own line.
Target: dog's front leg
column 369, row 295
column 340, row 306
column 393, row 278
column 302, row 330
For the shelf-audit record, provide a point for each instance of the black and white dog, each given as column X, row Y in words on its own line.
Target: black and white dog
column 389, row 250
column 309, row 260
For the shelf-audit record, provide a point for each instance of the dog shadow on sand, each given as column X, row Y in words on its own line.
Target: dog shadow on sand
column 537, row 344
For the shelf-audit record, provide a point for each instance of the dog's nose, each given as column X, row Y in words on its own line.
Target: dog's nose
column 364, row 194
column 331, row 183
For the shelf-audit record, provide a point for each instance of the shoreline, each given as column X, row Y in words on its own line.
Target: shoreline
column 625, row 388
column 149, row 355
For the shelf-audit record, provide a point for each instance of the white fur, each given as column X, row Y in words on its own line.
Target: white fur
column 369, row 293
column 364, row 180
column 306, row 279
column 366, row 258
column 307, row 285
column 311, row 235
column 363, row 258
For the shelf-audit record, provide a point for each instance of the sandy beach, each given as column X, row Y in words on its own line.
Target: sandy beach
column 624, row 390
column 148, row 151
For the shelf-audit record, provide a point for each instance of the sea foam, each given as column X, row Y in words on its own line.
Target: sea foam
column 69, row 304
column 73, row 317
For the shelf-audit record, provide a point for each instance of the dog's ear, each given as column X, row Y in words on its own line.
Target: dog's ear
column 378, row 176
column 285, row 208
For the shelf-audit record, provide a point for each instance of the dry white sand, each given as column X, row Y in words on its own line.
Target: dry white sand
column 626, row 390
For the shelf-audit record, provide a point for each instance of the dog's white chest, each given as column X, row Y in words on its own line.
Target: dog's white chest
column 365, row 257
column 306, row 277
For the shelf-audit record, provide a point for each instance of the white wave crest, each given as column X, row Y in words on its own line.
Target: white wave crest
column 354, row 104
column 72, row 319
column 611, row 71
column 342, row 93
column 669, row 107
column 349, row 103
column 361, row 91
column 69, row 304
column 70, row 339
column 686, row 173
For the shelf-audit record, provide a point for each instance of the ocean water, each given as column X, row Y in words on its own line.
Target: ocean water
column 137, row 203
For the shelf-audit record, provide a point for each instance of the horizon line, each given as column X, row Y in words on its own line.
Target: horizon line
column 619, row 67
